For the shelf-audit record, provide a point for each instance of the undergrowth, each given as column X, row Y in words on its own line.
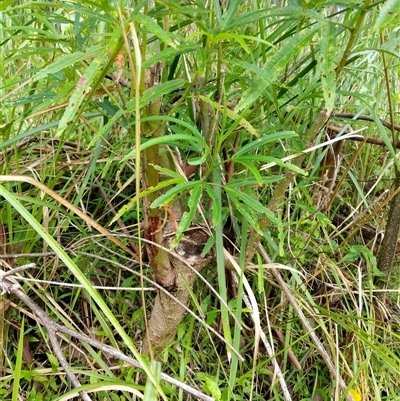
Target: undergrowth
column 242, row 87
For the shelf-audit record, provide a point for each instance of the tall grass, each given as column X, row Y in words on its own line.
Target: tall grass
column 114, row 113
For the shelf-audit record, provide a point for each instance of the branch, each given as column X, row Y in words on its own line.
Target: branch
column 385, row 123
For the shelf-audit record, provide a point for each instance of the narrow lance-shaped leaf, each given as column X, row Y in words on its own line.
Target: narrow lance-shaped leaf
column 166, row 139
column 167, row 37
column 250, row 202
column 133, row 201
column 289, row 11
column 150, row 390
column 131, row 109
column 169, row 196
column 217, row 11
column 390, row 11
column 158, row 91
column 177, row 121
column 234, row 116
column 230, row 14
column 196, row 161
column 243, row 210
column 91, row 76
column 265, row 139
column 249, row 164
column 168, row 53
column 216, row 210
column 327, row 65
column 201, row 60
column 82, row 87
column 188, row 216
column 274, row 67
column 60, row 64
column 227, row 36
column 273, row 160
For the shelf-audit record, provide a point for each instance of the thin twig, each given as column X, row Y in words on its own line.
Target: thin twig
column 27, row 255
column 11, row 272
column 385, row 123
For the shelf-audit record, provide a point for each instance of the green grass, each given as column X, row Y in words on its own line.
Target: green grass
column 241, row 85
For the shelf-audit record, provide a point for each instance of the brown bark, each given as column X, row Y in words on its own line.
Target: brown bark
column 389, row 243
column 168, row 311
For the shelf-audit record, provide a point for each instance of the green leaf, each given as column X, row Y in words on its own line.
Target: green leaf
column 17, row 371
column 217, row 10
column 248, row 181
column 276, row 161
column 209, row 244
column 168, row 197
column 18, row 138
column 245, row 213
column 169, row 52
column 157, row 91
column 201, row 60
column 88, row 83
column 170, row 173
column 274, row 66
column 188, row 216
column 150, row 391
column 166, row 140
column 384, row 135
column 5, row 3
column 167, row 37
column 196, row 161
column 265, row 139
column 251, row 203
column 133, row 201
column 216, row 208
column 234, row 116
column 58, row 65
column 327, row 65
column 213, row 389
column 231, row 12
column 227, row 36
column 249, row 163
column 176, row 121
column 388, row 13
column 53, row 361
column 291, row 11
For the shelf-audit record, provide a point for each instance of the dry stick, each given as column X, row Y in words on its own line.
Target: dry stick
column 27, row 255
column 53, row 328
column 12, row 271
column 385, row 123
column 326, row 357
